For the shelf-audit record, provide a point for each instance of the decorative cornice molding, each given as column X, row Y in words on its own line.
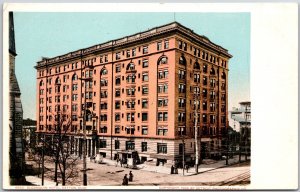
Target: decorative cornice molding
column 113, row 44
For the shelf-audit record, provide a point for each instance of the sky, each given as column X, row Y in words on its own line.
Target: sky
column 41, row 34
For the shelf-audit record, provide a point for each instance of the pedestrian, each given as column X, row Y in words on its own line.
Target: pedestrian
column 121, row 162
column 187, row 168
column 172, row 169
column 117, row 162
column 130, row 176
column 125, row 180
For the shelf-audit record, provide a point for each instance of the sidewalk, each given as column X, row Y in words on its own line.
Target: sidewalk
column 38, row 181
column 167, row 170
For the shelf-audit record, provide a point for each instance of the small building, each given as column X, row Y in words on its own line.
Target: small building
column 242, row 122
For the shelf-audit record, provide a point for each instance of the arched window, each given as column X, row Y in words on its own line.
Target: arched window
column 223, row 75
column 88, row 115
column 212, row 71
column 197, row 66
column 182, row 60
column 162, row 60
column 57, row 81
column 130, row 67
column 74, row 77
column 104, row 71
column 41, row 83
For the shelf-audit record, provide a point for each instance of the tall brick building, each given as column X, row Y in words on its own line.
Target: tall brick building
column 139, row 92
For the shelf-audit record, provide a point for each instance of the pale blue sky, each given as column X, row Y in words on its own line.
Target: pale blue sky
column 52, row 34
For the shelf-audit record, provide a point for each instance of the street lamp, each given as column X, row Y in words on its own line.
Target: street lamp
column 84, row 131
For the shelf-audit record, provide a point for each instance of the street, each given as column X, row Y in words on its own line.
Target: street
column 107, row 174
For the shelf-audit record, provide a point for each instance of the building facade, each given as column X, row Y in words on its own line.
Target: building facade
column 16, row 148
column 242, row 122
column 140, row 94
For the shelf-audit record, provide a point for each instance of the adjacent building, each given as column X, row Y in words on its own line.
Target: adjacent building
column 242, row 122
column 138, row 95
column 16, row 150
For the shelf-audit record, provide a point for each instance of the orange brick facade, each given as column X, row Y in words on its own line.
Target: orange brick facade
column 139, row 93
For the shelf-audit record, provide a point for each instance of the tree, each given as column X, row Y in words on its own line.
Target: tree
column 61, row 150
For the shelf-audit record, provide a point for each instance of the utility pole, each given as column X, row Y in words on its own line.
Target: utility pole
column 84, row 137
column 246, row 135
column 183, row 164
column 43, row 157
column 196, row 134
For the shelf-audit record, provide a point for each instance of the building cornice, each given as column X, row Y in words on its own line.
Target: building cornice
column 128, row 40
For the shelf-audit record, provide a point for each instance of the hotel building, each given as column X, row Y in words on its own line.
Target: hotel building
column 140, row 94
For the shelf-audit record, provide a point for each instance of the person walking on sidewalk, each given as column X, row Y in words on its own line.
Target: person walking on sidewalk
column 130, row 176
column 187, row 168
column 125, row 180
column 172, row 169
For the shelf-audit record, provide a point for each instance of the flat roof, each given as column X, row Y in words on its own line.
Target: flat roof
column 133, row 38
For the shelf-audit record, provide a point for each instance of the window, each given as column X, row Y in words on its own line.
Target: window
column 144, row 130
column 130, row 91
column 102, row 143
column 212, row 82
column 212, row 118
column 144, row 146
column 144, row 116
column 103, row 94
column 130, row 145
column 130, row 67
column 103, row 71
column 118, row 80
column 74, row 107
column 103, row 82
column 117, row 144
column 204, row 80
column 118, row 55
column 181, row 102
column 181, row 117
column 204, row 118
column 133, row 52
column 180, row 44
column 145, row 49
column 162, row 148
column 118, row 93
column 117, row 117
column 74, row 87
column 130, row 104
column 130, row 117
column 204, row 68
column 128, row 53
column 197, row 78
column 145, row 63
column 103, row 106
column 103, row 129
column 204, row 105
column 182, row 60
column 162, row 116
column 184, row 46
column 144, row 90
column 144, row 103
column 181, row 74
column 117, row 105
column 163, row 60
column 74, row 117
column 159, row 46
column 117, row 129
column 166, row 45
column 145, row 77
column 118, row 68
column 74, row 97
column 181, row 88
column 103, row 117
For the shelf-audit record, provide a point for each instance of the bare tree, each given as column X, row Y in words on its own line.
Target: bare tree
column 61, row 155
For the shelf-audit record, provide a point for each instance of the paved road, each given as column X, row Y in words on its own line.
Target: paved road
column 110, row 175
